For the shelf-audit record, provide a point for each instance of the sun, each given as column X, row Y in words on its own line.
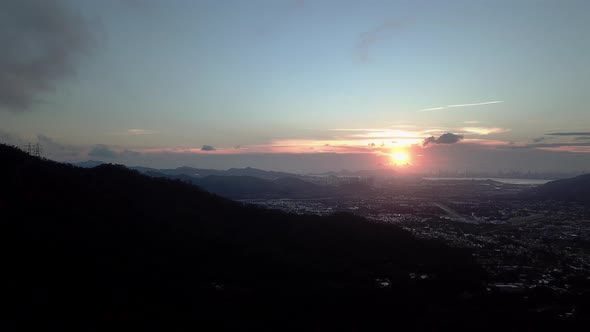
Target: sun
column 400, row 158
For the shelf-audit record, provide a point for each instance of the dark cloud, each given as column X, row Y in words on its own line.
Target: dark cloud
column 536, row 146
column 41, row 41
column 447, row 138
column 538, row 139
column 578, row 133
column 554, row 145
column 207, row 148
column 429, row 140
column 102, row 152
column 583, row 138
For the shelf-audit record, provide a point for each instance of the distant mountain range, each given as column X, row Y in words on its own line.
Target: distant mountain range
column 247, row 183
column 249, row 171
column 200, row 172
column 89, row 163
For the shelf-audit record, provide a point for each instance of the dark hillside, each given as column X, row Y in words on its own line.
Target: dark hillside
column 111, row 243
column 576, row 189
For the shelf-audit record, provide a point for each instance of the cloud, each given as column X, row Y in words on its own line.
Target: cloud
column 460, row 105
column 53, row 149
column 207, row 148
column 575, row 133
column 484, row 130
column 41, row 42
column 551, row 145
column 130, row 153
column 135, row 132
column 447, row 138
column 471, row 122
column 476, row 104
column 102, row 152
column 539, row 139
column 10, row 139
column 373, row 36
column 429, row 140
column 140, row 132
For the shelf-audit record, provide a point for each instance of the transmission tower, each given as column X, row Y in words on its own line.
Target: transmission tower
column 34, row 149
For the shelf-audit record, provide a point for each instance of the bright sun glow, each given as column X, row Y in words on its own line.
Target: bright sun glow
column 400, row 158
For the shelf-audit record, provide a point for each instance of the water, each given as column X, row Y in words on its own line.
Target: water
column 535, row 182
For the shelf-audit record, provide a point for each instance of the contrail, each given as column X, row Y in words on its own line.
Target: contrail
column 460, row 105
column 477, row 104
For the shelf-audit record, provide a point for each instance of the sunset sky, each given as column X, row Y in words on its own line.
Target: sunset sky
column 301, row 86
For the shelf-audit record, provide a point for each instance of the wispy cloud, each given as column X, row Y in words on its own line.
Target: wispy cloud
column 140, row 132
column 477, row 104
column 484, row 130
column 42, row 42
column 575, row 133
column 460, row 105
column 135, row 132
column 373, row 36
column 361, row 129
column 573, row 149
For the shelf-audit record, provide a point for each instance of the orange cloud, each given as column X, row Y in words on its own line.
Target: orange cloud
column 379, row 141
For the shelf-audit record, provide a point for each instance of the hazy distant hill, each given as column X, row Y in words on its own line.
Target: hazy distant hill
column 250, row 187
column 575, row 189
column 110, row 243
column 89, row 163
column 200, row 172
column 253, row 187
column 253, row 183
column 249, row 171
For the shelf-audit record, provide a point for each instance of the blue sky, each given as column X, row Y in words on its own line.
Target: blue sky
column 282, row 76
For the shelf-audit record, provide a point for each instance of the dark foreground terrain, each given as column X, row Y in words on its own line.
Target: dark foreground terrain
column 109, row 244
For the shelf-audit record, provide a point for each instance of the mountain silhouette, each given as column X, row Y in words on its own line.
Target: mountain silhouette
column 109, row 243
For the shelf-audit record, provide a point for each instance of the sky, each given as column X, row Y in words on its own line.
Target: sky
column 301, row 86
